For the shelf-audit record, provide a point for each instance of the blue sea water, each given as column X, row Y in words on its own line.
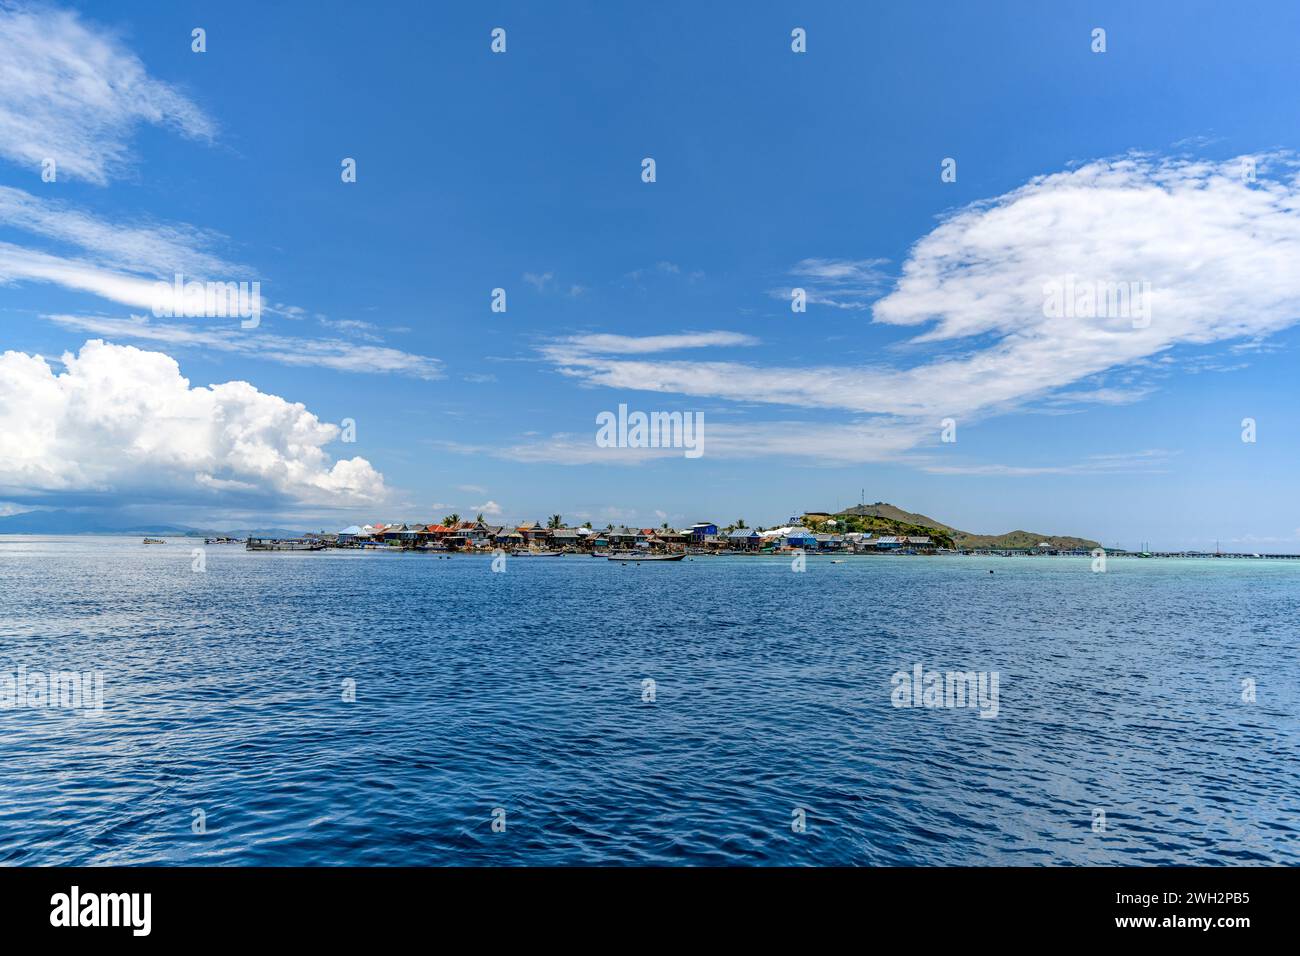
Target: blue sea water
column 523, row 692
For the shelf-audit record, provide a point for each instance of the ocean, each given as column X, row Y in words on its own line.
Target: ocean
column 351, row 707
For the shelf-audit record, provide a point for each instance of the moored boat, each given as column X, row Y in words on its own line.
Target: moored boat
column 153, row 541
column 647, row 557
column 284, row 544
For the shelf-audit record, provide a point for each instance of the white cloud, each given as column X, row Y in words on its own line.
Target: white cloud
column 152, row 247
column 1219, row 254
column 339, row 355
column 123, row 263
column 576, row 345
column 1102, row 396
column 1141, row 462
column 840, row 283
column 18, row 263
column 489, row 509
column 357, row 328
column 109, row 256
column 800, row 442
column 122, row 421
column 72, row 92
column 814, row 445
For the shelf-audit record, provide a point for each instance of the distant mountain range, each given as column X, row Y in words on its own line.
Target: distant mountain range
column 894, row 520
column 74, row 522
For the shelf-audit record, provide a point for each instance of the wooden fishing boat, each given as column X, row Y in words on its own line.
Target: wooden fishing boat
column 647, row 557
column 153, row 541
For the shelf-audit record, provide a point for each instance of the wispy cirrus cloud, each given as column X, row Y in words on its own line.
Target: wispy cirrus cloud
column 74, row 93
column 147, row 246
column 840, row 283
column 1217, row 251
column 20, row 264
column 335, row 354
column 1101, row 396
column 813, row 444
column 123, row 263
column 120, row 262
column 357, row 328
column 606, row 344
column 1148, row 461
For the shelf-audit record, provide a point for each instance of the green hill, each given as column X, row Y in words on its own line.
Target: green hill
column 884, row 518
column 882, row 509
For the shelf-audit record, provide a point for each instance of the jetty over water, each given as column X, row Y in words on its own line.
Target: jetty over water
column 1121, row 553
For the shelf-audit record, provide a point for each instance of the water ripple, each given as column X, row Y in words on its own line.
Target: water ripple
column 224, row 693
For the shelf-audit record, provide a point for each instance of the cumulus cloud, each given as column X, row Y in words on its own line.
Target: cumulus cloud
column 1216, row 251
column 74, row 93
column 121, row 421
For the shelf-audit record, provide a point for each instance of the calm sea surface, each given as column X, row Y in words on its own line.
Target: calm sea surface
column 224, row 693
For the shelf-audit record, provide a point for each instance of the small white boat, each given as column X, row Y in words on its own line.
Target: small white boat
column 525, row 553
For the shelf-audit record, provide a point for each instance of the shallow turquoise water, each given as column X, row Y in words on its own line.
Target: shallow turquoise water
column 223, row 693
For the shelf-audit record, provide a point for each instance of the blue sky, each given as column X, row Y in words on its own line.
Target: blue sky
column 774, row 170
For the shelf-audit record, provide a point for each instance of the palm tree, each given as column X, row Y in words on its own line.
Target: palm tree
column 555, row 522
column 479, row 519
column 740, row 523
column 451, row 520
column 664, row 526
column 587, row 525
